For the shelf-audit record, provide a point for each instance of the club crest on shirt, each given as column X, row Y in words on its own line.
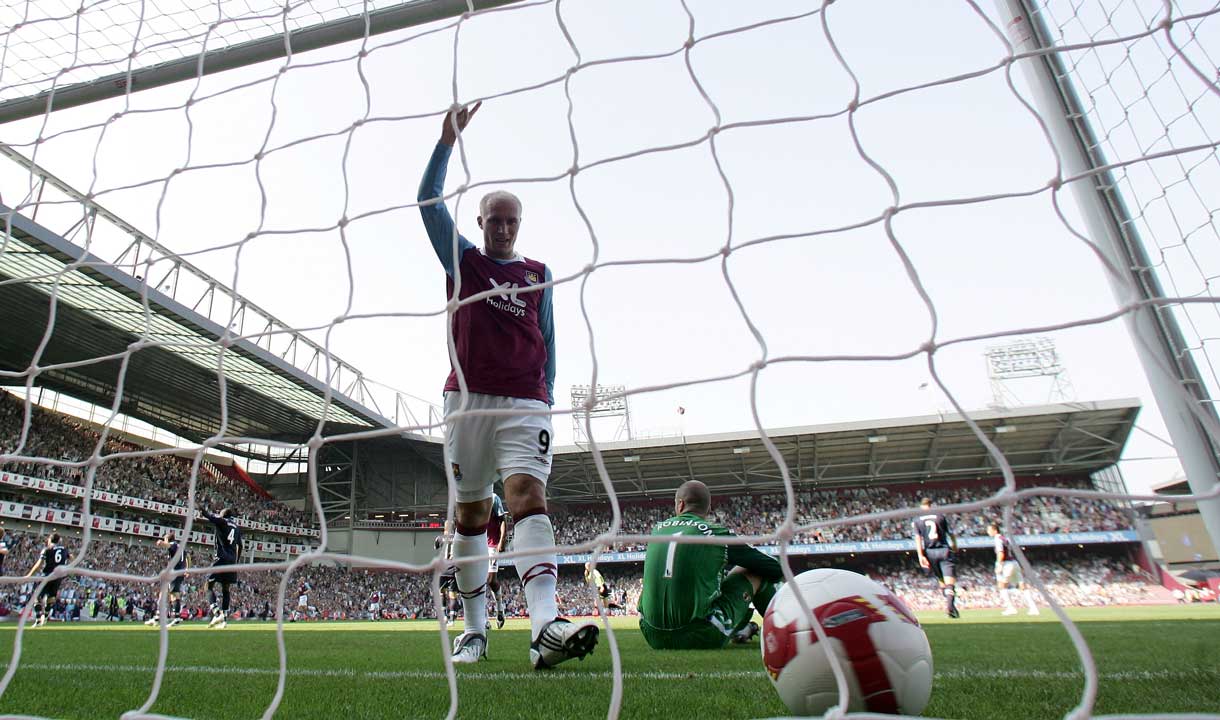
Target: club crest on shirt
column 531, row 278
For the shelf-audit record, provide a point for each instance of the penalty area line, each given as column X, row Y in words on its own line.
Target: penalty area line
column 992, row 674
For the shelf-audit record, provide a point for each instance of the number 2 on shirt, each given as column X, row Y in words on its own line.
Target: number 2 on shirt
column 932, row 534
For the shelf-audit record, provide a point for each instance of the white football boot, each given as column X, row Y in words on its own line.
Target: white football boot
column 562, row 640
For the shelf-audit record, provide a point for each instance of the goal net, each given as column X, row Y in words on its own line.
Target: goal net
column 757, row 215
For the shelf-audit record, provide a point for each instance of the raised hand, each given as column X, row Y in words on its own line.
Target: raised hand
column 456, row 121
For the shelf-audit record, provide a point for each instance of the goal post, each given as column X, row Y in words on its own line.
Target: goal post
column 1180, row 391
column 355, row 25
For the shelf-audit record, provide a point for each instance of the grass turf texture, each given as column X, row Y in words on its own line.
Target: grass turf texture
column 1159, row 660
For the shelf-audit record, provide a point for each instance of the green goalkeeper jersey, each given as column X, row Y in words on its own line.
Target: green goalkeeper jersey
column 681, row 580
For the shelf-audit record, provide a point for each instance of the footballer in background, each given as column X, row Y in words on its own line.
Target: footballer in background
column 51, row 557
column 5, row 543
column 375, row 606
column 937, row 547
column 228, row 552
column 450, row 600
column 302, row 610
column 497, row 536
column 1007, row 572
column 594, row 577
column 175, row 586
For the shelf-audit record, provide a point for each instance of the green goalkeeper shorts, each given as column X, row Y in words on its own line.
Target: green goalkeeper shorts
column 730, row 609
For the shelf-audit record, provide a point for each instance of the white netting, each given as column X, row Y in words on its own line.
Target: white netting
column 58, row 43
column 826, row 152
column 1141, row 101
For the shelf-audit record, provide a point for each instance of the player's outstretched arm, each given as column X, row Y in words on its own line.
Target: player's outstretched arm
column 36, row 568
column 216, row 520
column 437, row 220
column 754, row 561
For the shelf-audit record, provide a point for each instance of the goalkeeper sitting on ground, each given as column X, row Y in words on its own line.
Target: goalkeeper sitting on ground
column 689, row 601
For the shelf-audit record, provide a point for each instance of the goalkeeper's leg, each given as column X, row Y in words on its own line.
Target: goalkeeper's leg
column 758, row 591
column 763, row 595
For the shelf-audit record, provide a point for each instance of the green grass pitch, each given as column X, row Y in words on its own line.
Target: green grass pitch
column 1151, row 660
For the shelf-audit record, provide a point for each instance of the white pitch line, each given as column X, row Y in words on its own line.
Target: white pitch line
column 994, row 674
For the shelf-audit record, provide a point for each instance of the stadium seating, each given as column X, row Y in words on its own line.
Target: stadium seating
column 335, row 592
column 1075, row 578
column 760, row 514
column 161, row 478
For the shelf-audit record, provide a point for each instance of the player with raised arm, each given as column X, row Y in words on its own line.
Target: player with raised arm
column 936, row 547
column 1008, row 571
column 497, row 535
column 228, row 552
column 175, row 585
column 302, row 610
column 696, row 596
column 51, row 557
column 375, row 605
column 505, row 349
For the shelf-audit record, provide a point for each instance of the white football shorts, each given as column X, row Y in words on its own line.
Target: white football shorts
column 303, row 601
column 486, row 448
column 494, row 557
column 1009, row 572
column 375, row 607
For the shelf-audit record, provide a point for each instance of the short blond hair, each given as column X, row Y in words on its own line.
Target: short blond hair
column 495, row 195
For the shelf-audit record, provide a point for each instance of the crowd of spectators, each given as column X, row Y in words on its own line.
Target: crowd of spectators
column 163, row 478
column 761, row 514
column 166, row 478
column 334, row 592
column 337, row 592
column 342, row 593
column 1073, row 579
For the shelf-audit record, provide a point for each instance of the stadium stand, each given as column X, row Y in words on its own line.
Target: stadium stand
column 760, row 514
column 163, row 478
column 1075, row 577
column 337, row 593
column 340, row 593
